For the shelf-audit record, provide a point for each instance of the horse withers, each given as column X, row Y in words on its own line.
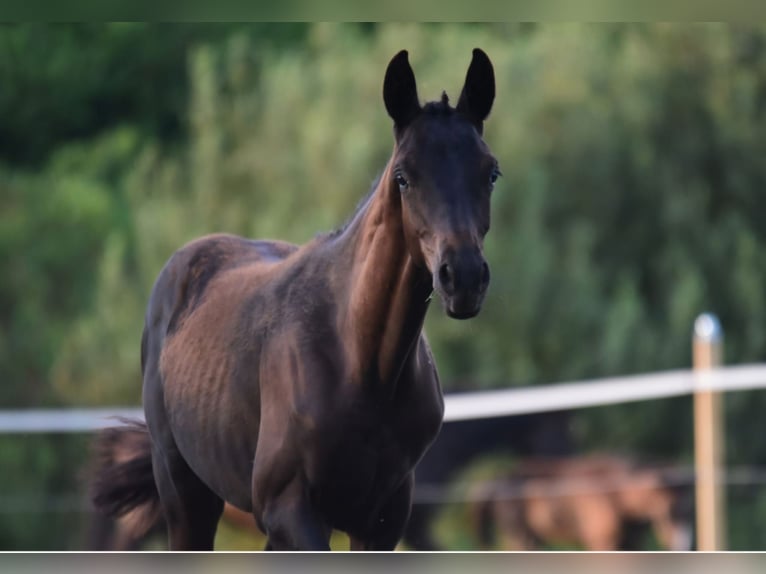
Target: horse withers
column 294, row 382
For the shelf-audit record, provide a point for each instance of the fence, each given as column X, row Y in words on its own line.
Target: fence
column 706, row 382
column 462, row 406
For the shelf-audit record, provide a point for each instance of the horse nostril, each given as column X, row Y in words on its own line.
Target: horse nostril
column 446, row 277
column 484, row 275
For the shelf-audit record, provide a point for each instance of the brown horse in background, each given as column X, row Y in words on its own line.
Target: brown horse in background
column 294, row 381
column 598, row 502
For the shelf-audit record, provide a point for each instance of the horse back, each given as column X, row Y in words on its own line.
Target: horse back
column 186, row 277
column 201, row 292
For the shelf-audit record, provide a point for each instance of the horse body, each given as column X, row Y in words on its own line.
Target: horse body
column 295, row 382
column 234, row 332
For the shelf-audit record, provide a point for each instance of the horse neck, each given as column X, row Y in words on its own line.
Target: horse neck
column 387, row 293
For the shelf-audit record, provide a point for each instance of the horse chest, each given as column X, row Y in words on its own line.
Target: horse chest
column 356, row 463
column 354, row 473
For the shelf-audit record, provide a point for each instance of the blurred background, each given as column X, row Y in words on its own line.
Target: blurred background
column 632, row 200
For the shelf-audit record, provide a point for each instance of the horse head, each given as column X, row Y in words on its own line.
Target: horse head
column 444, row 173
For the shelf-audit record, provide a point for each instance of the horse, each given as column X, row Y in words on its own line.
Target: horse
column 295, row 382
column 597, row 502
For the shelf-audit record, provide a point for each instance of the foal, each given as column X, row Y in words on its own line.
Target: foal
column 294, row 382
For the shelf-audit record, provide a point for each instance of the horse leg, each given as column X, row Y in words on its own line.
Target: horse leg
column 269, row 547
column 391, row 521
column 191, row 509
column 292, row 523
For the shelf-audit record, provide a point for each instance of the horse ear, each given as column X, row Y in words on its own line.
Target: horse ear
column 479, row 89
column 400, row 94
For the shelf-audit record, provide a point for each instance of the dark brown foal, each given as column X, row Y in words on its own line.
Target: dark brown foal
column 294, row 382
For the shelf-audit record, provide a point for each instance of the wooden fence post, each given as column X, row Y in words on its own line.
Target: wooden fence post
column 708, row 443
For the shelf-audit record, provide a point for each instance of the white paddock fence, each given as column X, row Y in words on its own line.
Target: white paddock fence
column 461, row 406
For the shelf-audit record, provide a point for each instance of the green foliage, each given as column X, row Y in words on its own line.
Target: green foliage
column 47, row 222
column 63, row 82
column 40, row 485
column 630, row 202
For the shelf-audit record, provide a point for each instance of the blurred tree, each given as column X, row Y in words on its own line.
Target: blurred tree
column 70, row 81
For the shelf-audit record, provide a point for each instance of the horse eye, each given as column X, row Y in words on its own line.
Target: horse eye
column 403, row 183
column 493, row 176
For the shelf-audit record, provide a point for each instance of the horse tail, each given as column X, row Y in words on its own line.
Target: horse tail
column 121, row 478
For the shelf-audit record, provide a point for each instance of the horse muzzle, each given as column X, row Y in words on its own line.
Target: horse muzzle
column 461, row 280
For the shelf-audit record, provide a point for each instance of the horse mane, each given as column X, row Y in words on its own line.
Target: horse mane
column 440, row 107
column 359, row 206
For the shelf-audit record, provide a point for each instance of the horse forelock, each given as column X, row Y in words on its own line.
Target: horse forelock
column 439, row 107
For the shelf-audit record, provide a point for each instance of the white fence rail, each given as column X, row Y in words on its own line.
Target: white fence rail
column 461, row 406
column 599, row 392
